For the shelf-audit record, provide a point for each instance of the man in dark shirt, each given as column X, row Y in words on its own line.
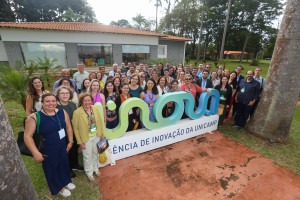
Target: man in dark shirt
column 247, row 94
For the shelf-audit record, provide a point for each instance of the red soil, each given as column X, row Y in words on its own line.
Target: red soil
column 209, row 166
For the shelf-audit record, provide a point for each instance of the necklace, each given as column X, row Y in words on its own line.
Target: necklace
column 150, row 97
column 90, row 117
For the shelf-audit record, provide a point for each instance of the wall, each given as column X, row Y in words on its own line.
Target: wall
column 75, row 37
column 71, row 54
column 3, row 55
column 14, row 54
column 175, row 52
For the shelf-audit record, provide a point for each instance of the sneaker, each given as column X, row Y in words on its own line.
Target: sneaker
column 70, row 186
column 98, row 173
column 91, row 178
column 78, row 167
column 65, row 192
column 235, row 126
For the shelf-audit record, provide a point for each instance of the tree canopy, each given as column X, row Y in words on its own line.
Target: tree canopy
column 46, row 11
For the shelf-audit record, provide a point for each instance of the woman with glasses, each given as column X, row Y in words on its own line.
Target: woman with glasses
column 191, row 87
column 63, row 96
column 67, row 82
column 35, row 91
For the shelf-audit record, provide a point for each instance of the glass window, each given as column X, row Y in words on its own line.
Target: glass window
column 135, row 53
column 162, row 51
column 135, row 49
column 57, row 51
column 95, row 54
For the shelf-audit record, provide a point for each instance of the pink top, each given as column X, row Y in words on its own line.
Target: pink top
column 192, row 89
column 97, row 98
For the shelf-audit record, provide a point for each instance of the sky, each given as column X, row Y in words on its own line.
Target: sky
column 113, row 10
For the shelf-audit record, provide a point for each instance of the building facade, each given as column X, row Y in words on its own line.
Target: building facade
column 93, row 43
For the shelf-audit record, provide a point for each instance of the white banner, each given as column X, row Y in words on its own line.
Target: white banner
column 140, row 141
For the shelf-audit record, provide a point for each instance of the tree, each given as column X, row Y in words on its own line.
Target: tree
column 15, row 181
column 121, row 23
column 14, row 83
column 51, row 11
column 6, row 13
column 141, row 23
column 225, row 30
column 273, row 116
column 70, row 16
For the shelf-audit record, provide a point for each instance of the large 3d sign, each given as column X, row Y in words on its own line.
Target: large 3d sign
column 184, row 102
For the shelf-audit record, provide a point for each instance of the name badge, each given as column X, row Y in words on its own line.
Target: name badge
column 61, row 133
column 243, row 90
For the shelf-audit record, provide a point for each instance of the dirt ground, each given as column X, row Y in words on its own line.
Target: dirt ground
column 209, row 166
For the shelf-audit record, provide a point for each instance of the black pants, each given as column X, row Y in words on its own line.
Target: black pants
column 242, row 113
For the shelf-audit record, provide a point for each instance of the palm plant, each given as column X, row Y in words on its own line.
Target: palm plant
column 45, row 64
column 14, row 83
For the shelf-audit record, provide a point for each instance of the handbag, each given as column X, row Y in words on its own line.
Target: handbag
column 37, row 138
column 102, row 145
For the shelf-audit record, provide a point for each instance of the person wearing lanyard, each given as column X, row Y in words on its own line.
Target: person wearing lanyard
column 247, row 95
column 88, row 124
column 53, row 123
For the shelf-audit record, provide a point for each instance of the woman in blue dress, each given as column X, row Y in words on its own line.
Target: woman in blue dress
column 54, row 125
column 150, row 95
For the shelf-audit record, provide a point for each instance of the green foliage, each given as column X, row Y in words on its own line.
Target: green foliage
column 161, row 60
column 45, row 64
column 6, row 13
column 41, row 10
column 254, row 62
column 70, row 16
column 121, row 23
column 141, row 23
column 14, row 83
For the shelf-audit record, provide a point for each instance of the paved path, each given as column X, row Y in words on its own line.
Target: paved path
column 209, row 166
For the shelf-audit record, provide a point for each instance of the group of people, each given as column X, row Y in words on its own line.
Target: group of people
column 70, row 122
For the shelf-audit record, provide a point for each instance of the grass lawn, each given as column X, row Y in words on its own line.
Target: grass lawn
column 84, row 189
column 287, row 155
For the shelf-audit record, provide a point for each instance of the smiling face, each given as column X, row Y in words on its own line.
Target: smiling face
column 49, row 103
column 95, row 86
column 174, row 86
column 86, row 102
column 162, row 81
column 110, row 87
column 224, row 80
column 125, row 89
column 37, row 84
column 64, row 95
column 117, row 82
column 86, row 83
column 150, row 84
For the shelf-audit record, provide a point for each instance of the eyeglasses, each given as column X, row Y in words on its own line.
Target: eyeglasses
column 134, row 79
column 64, row 93
column 142, row 76
column 188, row 79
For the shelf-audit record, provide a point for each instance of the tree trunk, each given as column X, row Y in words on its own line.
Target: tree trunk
column 14, row 179
column 273, row 116
column 225, row 30
column 244, row 47
column 200, row 33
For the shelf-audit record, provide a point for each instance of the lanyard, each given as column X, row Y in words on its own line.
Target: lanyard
column 90, row 117
column 58, row 121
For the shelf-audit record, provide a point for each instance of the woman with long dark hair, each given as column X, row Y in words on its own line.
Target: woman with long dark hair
column 150, row 95
column 35, row 91
column 112, row 119
column 225, row 97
